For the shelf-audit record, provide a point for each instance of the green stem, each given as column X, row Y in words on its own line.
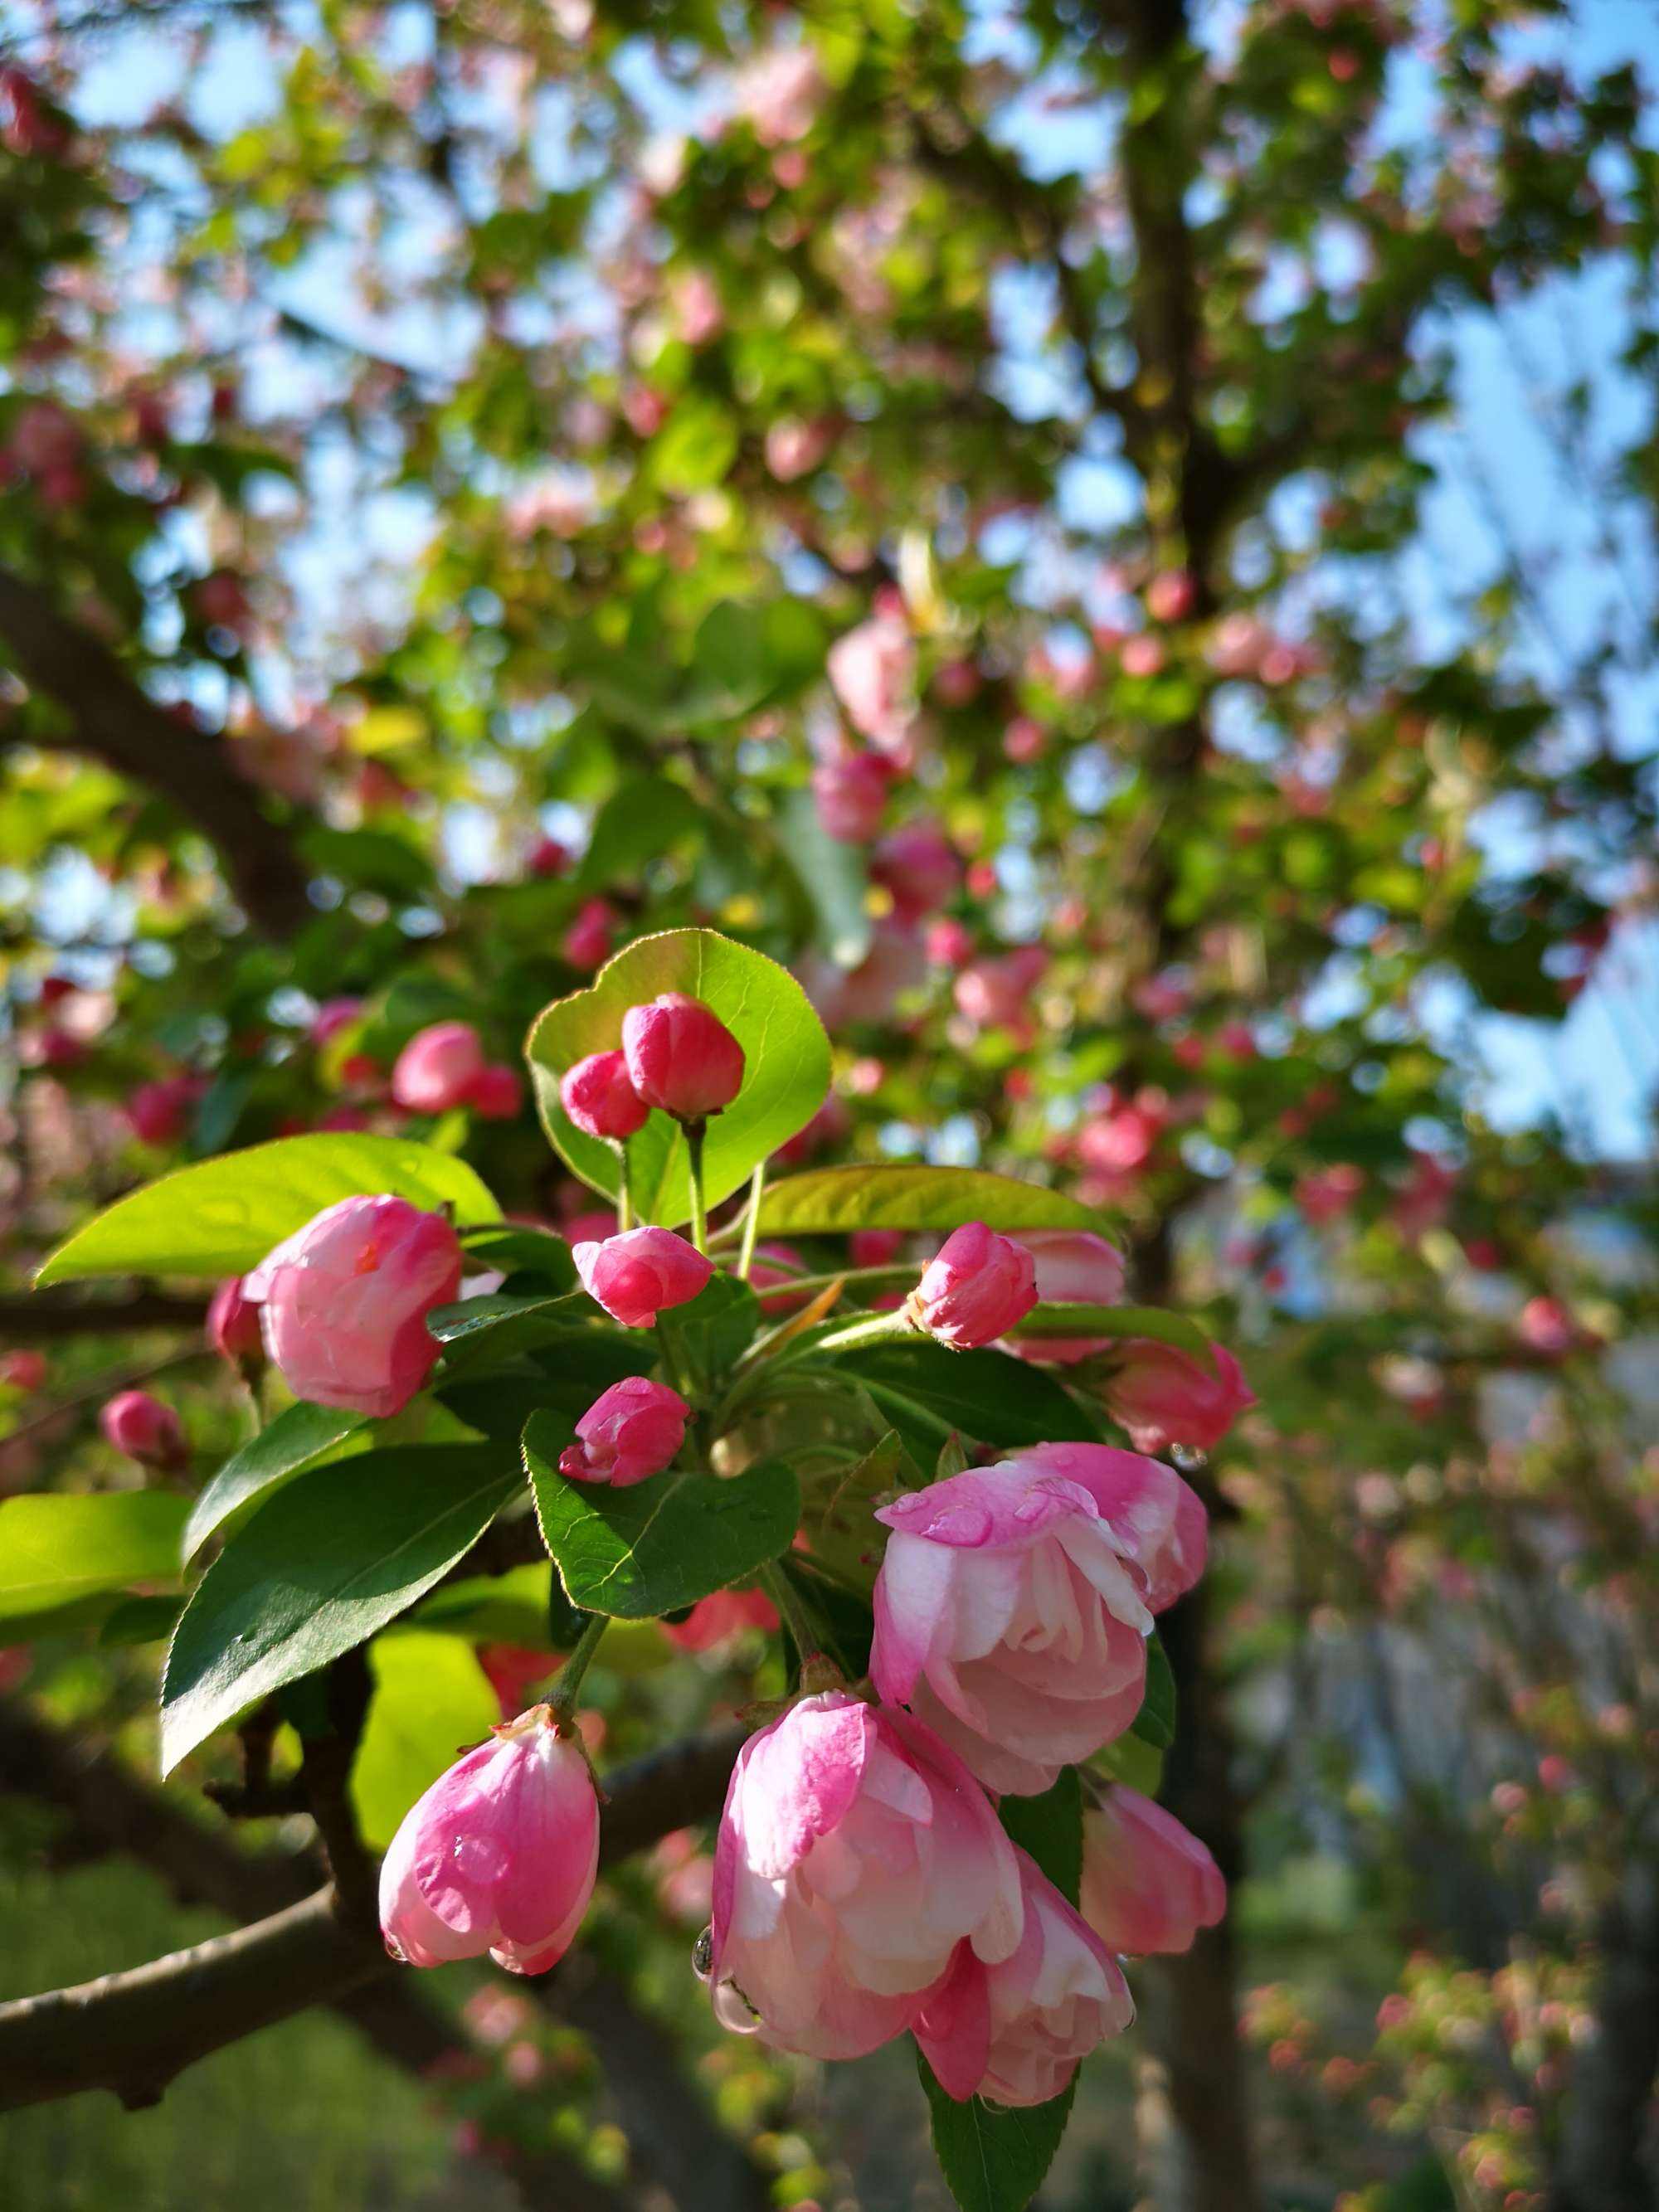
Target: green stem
column 694, row 1130
column 752, row 1223
column 905, row 1272
column 668, row 1352
column 564, row 1700
column 624, row 1195
column 782, row 1592
column 874, row 1329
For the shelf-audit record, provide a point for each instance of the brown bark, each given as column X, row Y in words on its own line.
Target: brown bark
column 1609, row 2159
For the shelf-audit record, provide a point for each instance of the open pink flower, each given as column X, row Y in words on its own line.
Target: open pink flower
column 1013, row 1603
column 345, row 1301
column 851, row 789
column 1164, row 1396
column 1148, row 1883
column 1073, row 1267
column 1015, row 2032
column 438, row 1068
column 855, row 1852
column 720, row 1617
column 873, row 671
column 977, row 1286
column 919, row 868
column 498, row 1856
column 681, row 1056
column 636, row 1275
column 628, row 1433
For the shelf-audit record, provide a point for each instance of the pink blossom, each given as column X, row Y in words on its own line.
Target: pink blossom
column 499, row 1855
column 780, row 93
column 698, row 314
column 1170, row 597
column 601, row 1100
column 1164, row 1396
column 587, row 941
column 1073, row 1267
column 850, row 789
column 976, row 1287
column 718, row 1618
column 1545, row 1326
column 331, row 1018
column 630, row 1431
column 874, row 1248
column 1013, row 1603
column 496, row 1093
column 345, row 1301
column 1148, row 1884
column 1121, row 1140
column 681, row 1056
column 1141, row 655
column 1025, row 741
column 1327, row 1193
column 160, row 1112
column 846, row 998
column 995, row 993
column 794, row 448
column 873, row 670
column 144, row 1429
column 547, row 857
column 24, row 1370
column 1162, row 998
column 438, row 1068
column 855, row 1852
column 917, row 867
column 1015, row 2032
column 232, row 1322
column 949, row 942
column 636, row 1275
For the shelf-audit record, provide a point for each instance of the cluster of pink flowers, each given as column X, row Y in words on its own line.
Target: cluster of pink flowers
column 444, row 1066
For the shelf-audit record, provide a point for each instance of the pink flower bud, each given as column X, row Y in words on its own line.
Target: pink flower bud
column 438, row 1068
column 23, row 1371
column 854, row 1854
column 875, row 1248
column 587, row 940
column 1073, row 1267
column 1545, row 1326
column 917, row 867
column 1148, row 1884
column 547, row 857
column 1016, row 2030
column 681, row 1056
column 332, row 1017
column 601, row 1100
column 1170, row 597
column 1013, row 1603
column 717, row 1619
column 496, row 1093
column 851, row 791
column 1163, row 1396
column 499, row 1855
column 636, row 1275
column 346, row 1298
column 975, row 1289
column 629, row 1432
column 232, row 1323
column 144, row 1429
column 160, row 1112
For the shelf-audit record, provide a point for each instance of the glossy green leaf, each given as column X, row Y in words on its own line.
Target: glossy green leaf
column 647, row 1550
column 929, row 1392
column 832, row 1201
column 65, row 1561
column 786, row 1075
column 843, row 1532
column 300, row 1435
column 431, row 1700
column 994, row 2158
column 713, row 1330
column 221, row 1216
column 518, row 1251
column 337, row 1553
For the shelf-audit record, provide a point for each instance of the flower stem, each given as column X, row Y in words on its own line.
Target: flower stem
column 781, row 1591
column 694, row 1134
column 873, row 1329
column 624, row 1195
column 564, row 1700
column 752, row 1223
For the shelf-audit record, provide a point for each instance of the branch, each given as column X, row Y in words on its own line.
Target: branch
column 115, row 721
column 133, row 2033
column 47, row 1319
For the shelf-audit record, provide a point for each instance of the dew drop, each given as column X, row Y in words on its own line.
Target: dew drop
column 478, row 1858
column 1188, row 1458
column 703, row 1955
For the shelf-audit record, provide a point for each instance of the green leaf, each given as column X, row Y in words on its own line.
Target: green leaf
column 65, row 1561
column 1085, row 1321
column 832, row 878
column 1050, row 1827
column 786, row 1075
column 431, row 1699
column 509, row 1608
column 715, row 1329
column 993, row 2157
column 929, row 1392
column 298, row 1436
column 831, row 1201
column 640, row 1553
column 332, row 1557
column 1155, row 1723
column 516, row 1250
column 844, row 1536
column 499, row 1324
column 221, row 1216
column 637, row 824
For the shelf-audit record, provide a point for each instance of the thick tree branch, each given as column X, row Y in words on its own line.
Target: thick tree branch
column 133, row 2033
column 113, row 720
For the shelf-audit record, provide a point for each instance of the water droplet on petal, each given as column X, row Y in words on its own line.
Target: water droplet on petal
column 478, row 1858
column 1188, row 1458
column 733, row 2010
column 703, row 1955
